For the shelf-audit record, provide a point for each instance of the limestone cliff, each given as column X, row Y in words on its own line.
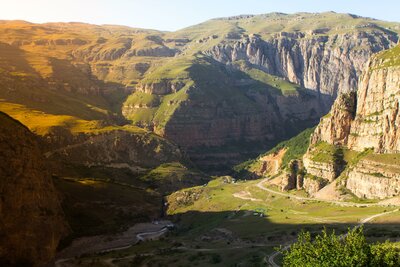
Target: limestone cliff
column 365, row 126
column 371, row 179
column 31, row 219
column 328, row 64
column 334, row 127
column 369, row 118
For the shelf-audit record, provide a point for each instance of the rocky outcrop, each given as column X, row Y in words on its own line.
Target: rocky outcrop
column 371, row 124
column 160, row 51
column 377, row 120
column 114, row 148
column 31, row 219
column 293, row 176
column 299, row 181
column 162, row 87
column 371, row 179
column 312, row 184
column 328, row 64
column 327, row 170
column 288, row 181
column 334, row 127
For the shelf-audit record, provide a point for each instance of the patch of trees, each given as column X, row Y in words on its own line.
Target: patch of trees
column 329, row 249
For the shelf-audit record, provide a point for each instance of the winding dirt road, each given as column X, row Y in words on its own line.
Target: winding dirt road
column 339, row 203
column 271, row 258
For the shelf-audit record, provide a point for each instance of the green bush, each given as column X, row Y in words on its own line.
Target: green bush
column 328, row 249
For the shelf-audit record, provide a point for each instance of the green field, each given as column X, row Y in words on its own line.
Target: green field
column 215, row 227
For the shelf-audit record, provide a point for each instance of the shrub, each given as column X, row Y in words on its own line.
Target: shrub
column 328, row 249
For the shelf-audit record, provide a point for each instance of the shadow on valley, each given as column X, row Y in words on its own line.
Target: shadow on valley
column 255, row 226
column 99, row 200
column 228, row 238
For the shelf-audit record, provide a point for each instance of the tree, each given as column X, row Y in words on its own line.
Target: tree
column 330, row 250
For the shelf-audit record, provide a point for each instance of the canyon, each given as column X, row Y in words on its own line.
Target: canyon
column 108, row 126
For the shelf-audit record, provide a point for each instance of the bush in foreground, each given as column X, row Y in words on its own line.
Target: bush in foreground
column 328, row 249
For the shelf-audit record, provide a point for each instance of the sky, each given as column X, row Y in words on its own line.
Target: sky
column 172, row 15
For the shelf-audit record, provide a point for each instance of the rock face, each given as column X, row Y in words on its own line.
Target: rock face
column 367, row 120
column 329, row 170
column 216, row 123
column 115, row 149
column 288, row 181
column 312, row 184
column 293, row 176
column 163, row 87
column 334, row 128
column 329, row 64
column 369, row 179
column 377, row 120
column 31, row 218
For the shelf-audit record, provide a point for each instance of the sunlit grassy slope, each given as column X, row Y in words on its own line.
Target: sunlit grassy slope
column 49, row 76
column 281, row 214
column 294, row 148
column 80, row 70
column 279, row 22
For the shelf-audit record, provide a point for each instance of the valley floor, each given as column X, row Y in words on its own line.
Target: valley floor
column 228, row 223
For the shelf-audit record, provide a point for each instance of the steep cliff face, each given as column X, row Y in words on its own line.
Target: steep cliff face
column 366, row 121
column 320, row 169
column 334, row 127
column 31, row 219
column 371, row 179
column 312, row 184
column 377, row 120
column 369, row 118
column 329, row 64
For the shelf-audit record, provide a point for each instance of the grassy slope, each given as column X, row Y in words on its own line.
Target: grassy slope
column 197, row 239
column 38, row 71
column 389, row 58
column 219, row 31
column 296, row 148
column 267, row 25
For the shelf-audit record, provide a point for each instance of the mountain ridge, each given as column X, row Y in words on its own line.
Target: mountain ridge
column 159, row 80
